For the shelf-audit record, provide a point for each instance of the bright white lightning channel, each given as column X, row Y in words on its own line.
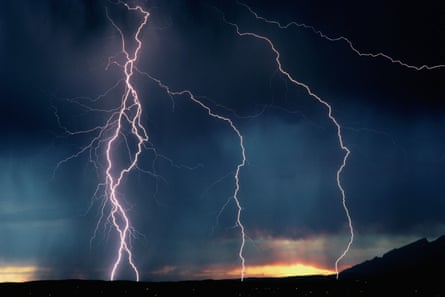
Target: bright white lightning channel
column 239, row 166
column 124, row 124
column 342, row 39
column 331, row 117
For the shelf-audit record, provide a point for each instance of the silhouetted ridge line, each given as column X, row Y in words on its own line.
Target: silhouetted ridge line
column 421, row 259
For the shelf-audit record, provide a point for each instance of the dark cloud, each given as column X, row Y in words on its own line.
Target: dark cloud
column 54, row 51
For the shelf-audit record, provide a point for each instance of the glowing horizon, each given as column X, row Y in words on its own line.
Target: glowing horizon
column 26, row 273
column 267, row 270
column 18, row 273
column 285, row 270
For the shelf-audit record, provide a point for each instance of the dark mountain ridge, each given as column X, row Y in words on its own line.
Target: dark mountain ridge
column 421, row 259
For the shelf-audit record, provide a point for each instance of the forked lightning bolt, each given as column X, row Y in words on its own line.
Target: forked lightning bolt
column 239, row 166
column 331, row 117
column 343, row 39
column 127, row 116
column 130, row 112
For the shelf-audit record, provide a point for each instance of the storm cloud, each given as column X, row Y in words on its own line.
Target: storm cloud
column 179, row 202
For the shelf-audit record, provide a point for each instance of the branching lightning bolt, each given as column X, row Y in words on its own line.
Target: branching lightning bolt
column 239, row 166
column 331, row 117
column 130, row 111
column 108, row 136
column 342, row 39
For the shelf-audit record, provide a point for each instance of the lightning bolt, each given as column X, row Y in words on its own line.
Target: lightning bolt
column 129, row 113
column 331, row 117
column 109, row 136
column 341, row 39
column 239, row 166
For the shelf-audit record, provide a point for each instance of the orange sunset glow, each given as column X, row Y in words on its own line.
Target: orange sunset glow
column 15, row 273
column 283, row 270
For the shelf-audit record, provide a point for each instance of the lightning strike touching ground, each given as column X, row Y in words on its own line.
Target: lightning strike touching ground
column 342, row 39
column 130, row 111
column 331, row 117
column 109, row 137
column 239, row 166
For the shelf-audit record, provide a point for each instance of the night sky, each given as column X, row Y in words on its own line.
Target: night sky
column 55, row 64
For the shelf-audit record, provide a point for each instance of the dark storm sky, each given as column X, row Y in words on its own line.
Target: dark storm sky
column 392, row 117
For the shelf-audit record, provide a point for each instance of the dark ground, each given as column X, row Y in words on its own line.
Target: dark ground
column 302, row 286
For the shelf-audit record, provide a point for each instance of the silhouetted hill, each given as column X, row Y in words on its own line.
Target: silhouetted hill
column 420, row 260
